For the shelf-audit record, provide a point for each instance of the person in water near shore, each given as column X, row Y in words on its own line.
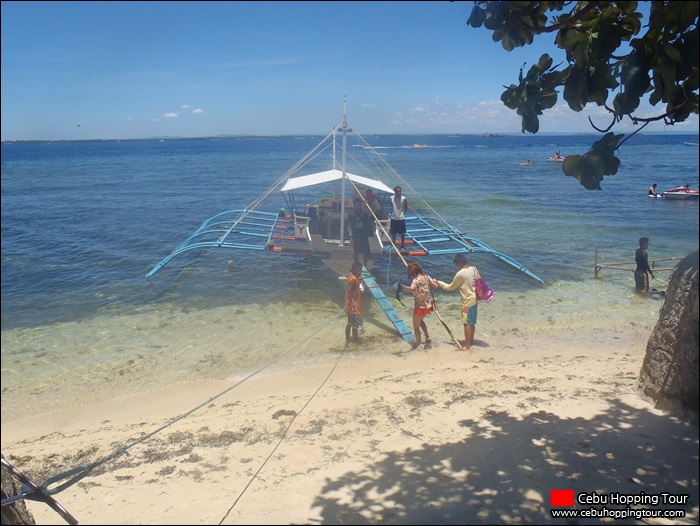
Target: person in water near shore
column 641, row 278
column 353, row 302
column 422, row 305
column 652, row 191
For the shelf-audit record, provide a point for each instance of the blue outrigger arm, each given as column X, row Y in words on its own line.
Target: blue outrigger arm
column 252, row 230
column 434, row 236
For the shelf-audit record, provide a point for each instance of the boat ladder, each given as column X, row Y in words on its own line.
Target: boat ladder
column 387, row 307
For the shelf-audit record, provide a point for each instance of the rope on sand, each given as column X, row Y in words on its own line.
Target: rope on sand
column 279, row 442
column 41, row 492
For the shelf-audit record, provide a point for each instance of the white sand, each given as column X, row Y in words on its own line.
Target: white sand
column 429, row 437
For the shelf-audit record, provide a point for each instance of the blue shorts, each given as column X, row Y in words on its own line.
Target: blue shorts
column 469, row 315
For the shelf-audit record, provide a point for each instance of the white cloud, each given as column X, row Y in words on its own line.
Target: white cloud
column 493, row 116
column 185, row 106
column 198, row 111
column 155, row 120
column 170, row 115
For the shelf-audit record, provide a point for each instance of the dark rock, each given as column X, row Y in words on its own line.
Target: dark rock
column 669, row 374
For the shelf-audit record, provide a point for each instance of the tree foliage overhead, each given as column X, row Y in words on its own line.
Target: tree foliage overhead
column 660, row 65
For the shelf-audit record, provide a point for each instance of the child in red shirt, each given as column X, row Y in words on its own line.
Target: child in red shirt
column 353, row 302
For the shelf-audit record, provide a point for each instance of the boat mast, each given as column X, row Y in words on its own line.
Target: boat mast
column 343, row 128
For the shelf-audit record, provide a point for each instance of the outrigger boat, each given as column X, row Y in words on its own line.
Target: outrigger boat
column 308, row 225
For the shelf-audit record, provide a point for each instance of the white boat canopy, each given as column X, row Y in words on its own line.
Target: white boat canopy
column 332, row 175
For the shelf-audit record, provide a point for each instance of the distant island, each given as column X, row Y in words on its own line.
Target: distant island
column 314, row 136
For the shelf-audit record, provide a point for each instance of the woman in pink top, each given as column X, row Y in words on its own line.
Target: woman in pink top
column 423, row 304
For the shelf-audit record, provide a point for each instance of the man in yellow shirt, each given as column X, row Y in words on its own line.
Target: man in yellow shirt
column 464, row 281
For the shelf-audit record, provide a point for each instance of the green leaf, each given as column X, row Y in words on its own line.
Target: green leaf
column 548, row 99
column 590, row 168
column 672, row 53
column 510, row 97
column 625, row 103
column 571, row 90
column 577, row 167
column 477, row 17
column 530, row 123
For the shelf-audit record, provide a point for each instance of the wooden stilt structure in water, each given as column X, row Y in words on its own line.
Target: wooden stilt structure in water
column 614, row 266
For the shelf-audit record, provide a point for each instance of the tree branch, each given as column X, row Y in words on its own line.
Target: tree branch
column 606, row 129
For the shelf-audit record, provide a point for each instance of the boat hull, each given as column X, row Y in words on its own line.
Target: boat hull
column 682, row 196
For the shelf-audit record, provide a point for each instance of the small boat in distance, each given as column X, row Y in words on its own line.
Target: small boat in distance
column 557, row 157
column 681, row 193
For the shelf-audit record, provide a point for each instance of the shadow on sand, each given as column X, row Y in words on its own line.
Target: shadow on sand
column 503, row 470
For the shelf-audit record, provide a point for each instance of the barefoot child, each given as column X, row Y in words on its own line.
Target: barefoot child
column 423, row 305
column 353, row 302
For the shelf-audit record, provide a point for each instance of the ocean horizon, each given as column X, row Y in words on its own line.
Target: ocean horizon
column 224, row 136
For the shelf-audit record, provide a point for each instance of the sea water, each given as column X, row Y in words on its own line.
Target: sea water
column 84, row 222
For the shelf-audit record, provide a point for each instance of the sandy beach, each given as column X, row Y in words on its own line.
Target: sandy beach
column 424, row 437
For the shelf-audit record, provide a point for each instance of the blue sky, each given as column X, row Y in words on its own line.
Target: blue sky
column 125, row 70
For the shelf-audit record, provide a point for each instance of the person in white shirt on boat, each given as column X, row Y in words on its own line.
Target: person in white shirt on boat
column 399, row 206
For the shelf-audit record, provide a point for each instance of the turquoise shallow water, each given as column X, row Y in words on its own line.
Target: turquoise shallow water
column 82, row 223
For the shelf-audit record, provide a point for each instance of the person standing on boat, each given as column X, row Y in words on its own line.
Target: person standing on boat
column 373, row 203
column 353, row 302
column 652, row 191
column 464, row 281
column 422, row 304
column 641, row 278
column 399, row 206
column 360, row 230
